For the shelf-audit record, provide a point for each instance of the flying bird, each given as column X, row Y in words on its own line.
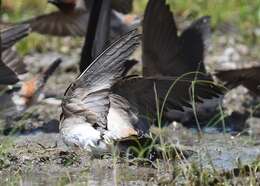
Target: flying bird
column 70, row 19
column 104, row 106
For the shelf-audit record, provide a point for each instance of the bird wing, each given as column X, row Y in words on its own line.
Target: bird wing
column 192, row 45
column 12, row 34
column 248, row 77
column 144, row 93
column 12, row 59
column 61, row 24
column 11, row 64
column 88, row 96
column 7, row 76
column 159, row 39
column 164, row 53
column 103, row 29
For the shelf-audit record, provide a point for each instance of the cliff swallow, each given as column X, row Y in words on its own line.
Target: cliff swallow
column 71, row 19
column 167, row 53
column 103, row 106
column 17, row 99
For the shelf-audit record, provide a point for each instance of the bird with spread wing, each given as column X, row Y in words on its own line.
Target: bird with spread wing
column 104, row 106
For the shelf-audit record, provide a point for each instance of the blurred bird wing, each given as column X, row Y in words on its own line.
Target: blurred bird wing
column 15, row 62
column 103, row 29
column 89, row 94
column 193, row 42
column 159, row 39
column 164, row 53
column 144, row 93
column 12, row 34
column 11, row 64
column 7, row 76
column 61, row 24
column 248, row 77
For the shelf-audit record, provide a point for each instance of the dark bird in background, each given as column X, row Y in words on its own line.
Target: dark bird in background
column 70, row 19
column 15, row 100
column 103, row 105
column 23, row 93
column 11, row 65
column 164, row 51
column 167, row 53
column 248, row 77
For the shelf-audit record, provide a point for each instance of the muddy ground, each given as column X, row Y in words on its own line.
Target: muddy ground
column 32, row 153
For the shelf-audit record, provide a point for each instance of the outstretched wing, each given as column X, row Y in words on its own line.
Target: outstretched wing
column 248, row 77
column 144, row 93
column 103, row 29
column 159, row 39
column 164, row 53
column 12, row 34
column 88, row 95
column 15, row 62
column 11, row 64
column 61, row 24
column 192, row 46
column 7, row 76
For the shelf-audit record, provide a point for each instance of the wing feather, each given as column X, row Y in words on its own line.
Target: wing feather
column 248, row 77
column 89, row 94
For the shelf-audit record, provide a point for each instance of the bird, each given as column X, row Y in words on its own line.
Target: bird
column 247, row 77
column 18, row 94
column 104, row 106
column 18, row 98
column 11, row 65
column 70, row 19
column 166, row 53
